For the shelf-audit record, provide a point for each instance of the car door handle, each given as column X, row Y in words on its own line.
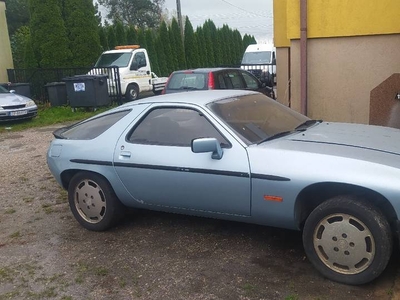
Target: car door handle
column 125, row 154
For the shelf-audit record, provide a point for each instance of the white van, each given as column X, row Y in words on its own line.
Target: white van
column 259, row 59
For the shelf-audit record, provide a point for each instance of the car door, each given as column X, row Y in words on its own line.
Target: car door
column 155, row 163
column 142, row 74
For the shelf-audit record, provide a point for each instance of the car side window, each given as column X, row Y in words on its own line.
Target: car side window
column 233, row 80
column 140, row 59
column 174, row 127
column 251, row 82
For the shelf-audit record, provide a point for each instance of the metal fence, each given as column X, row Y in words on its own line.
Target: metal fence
column 39, row 78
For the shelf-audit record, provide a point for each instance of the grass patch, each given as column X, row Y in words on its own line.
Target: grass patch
column 16, row 234
column 101, row 271
column 52, row 115
column 28, row 199
column 6, row 274
column 292, row 297
column 10, row 211
column 48, row 209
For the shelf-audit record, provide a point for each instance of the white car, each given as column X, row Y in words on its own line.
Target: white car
column 15, row 107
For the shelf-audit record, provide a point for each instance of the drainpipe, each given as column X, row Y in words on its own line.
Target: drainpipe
column 303, row 56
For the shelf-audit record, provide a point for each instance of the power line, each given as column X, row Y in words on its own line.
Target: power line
column 253, row 13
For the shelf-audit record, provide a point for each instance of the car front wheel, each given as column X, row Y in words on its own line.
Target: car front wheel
column 132, row 92
column 348, row 240
column 93, row 201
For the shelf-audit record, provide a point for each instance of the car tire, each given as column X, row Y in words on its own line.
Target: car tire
column 93, row 201
column 348, row 240
column 132, row 92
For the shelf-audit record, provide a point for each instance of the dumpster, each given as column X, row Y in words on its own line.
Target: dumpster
column 23, row 89
column 57, row 92
column 87, row 90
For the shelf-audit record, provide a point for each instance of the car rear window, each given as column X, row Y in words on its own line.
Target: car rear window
column 187, row 81
column 90, row 129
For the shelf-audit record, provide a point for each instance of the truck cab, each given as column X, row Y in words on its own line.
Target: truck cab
column 134, row 71
column 259, row 59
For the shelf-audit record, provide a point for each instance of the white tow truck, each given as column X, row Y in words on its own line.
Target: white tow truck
column 135, row 72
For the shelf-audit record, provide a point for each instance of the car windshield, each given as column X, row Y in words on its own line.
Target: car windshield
column 257, row 118
column 187, row 81
column 256, row 58
column 113, row 59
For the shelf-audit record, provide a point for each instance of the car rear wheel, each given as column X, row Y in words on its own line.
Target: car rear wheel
column 93, row 201
column 347, row 240
column 132, row 92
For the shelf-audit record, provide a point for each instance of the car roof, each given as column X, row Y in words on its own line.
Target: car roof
column 195, row 97
column 204, row 70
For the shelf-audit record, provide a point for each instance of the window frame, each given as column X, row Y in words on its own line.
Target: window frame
column 226, row 145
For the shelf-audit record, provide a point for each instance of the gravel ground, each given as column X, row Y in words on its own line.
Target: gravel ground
column 45, row 254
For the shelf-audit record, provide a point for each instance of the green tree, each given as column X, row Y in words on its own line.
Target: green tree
column 215, row 43
column 120, row 33
column 238, row 42
column 191, row 48
column 48, row 34
column 151, row 50
column 111, row 38
column 30, row 61
column 248, row 40
column 131, row 36
column 162, row 59
column 177, row 40
column 142, row 38
column 165, row 40
column 81, row 25
column 173, row 44
column 208, row 43
column 141, row 13
column 103, row 38
column 17, row 15
column 203, row 60
column 19, row 41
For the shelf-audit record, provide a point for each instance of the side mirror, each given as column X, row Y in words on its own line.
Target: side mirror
column 12, row 91
column 203, row 145
column 134, row 66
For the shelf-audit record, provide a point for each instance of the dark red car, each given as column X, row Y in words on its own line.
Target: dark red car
column 215, row 78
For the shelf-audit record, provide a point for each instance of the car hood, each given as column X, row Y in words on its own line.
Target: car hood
column 377, row 138
column 12, row 99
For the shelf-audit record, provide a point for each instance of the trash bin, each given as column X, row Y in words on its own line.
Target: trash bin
column 87, row 90
column 57, row 92
column 23, row 89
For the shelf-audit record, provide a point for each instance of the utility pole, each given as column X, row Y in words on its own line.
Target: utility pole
column 178, row 9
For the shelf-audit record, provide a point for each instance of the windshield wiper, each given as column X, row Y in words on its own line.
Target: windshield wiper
column 275, row 136
column 306, row 124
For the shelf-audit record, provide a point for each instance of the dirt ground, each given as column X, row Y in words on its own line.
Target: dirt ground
column 46, row 254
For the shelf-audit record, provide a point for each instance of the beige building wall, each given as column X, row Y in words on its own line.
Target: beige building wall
column 341, row 74
column 6, row 61
column 283, row 76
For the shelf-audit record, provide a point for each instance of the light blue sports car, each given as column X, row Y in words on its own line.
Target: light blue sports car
column 239, row 155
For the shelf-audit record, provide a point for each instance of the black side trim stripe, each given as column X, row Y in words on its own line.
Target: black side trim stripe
column 269, row 177
column 183, row 169
column 92, row 162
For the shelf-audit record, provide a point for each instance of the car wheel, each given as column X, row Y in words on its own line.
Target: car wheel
column 132, row 92
column 347, row 240
column 93, row 201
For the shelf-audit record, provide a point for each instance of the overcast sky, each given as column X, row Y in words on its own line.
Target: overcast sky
column 254, row 17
